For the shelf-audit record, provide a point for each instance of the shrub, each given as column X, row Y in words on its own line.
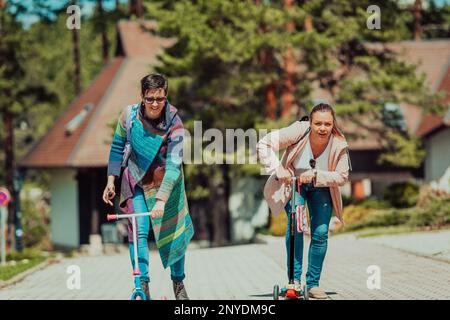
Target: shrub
column 436, row 214
column 278, row 224
column 372, row 202
column 27, row 253
column 381, row 218
column 35, row 221
column 402, row 195
column 428, row 195
column 354, row 213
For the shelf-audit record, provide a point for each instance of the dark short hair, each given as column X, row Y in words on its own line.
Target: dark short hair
column 154, row 81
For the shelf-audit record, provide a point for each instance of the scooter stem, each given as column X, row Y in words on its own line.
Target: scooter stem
column 292, row 233
column 135, row 247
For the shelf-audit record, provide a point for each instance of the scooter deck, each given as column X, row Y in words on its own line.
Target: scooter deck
column 299, row 294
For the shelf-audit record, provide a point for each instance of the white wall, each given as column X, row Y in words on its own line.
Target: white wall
column 64, row 208
column 247, row 207
column 438, row 155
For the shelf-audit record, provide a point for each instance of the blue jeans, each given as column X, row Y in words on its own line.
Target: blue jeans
column 143, row 226
column 320, row 209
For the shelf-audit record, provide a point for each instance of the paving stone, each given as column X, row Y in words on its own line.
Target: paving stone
column 247, row 272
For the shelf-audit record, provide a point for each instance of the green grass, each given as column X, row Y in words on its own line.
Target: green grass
column 433, row 215
column 25, row 260
column 9, row 271
column 382, row 231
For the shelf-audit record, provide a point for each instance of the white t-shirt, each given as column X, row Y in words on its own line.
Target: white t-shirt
column 302, row 161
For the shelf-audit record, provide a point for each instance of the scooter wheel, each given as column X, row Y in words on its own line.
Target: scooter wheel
column 305, row 293
column 138, row 295
column 276, row 292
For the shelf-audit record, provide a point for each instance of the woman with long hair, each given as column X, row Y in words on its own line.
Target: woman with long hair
column 318, row 139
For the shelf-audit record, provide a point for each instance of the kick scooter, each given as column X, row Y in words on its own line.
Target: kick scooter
column 138, row 293
column 290, row 291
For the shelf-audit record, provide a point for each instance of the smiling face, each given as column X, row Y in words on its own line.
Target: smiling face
column 321, row 125
column 154, row 101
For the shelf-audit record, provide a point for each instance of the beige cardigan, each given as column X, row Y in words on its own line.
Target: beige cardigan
column 277, row 193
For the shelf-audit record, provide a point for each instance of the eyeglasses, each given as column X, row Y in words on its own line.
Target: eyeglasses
column 151, row 100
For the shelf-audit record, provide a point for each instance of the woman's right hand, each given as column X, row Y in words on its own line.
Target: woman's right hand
column 109, row 192
column 283, row 175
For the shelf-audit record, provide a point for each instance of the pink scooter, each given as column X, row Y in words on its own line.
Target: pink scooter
column 138, row 293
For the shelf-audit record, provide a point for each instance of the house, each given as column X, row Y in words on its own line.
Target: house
column 437, row 159
column 76, row 149
column 435, row 132
column 432, row 58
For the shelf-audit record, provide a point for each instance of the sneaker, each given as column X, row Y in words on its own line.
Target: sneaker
column 179, row 290
column 317, row 293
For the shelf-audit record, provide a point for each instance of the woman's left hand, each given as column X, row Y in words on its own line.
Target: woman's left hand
column 158, row 209
column 307, row 177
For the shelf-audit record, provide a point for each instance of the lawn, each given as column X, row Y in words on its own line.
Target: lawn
column 9, row 271
column 18, row 262
column 370, row 219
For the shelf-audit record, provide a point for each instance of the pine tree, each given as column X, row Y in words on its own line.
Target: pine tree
column 227, row 64
column 216, row 75
column 16, row 93
column 101, row 27
column 362, row 75
column 36, row 78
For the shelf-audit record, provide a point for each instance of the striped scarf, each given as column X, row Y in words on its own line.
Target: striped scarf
column 155, row 165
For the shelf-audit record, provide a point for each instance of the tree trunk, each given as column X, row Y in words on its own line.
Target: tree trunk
column 218, row 202
column 136, row 7
column 105, row 42
column 131, row 7
column 287, row 95
column 9, row 170
column 418, row 20
column 140, row 9
column 271, row 101
column 266, row 60
column 76, row 60
column 308, row 24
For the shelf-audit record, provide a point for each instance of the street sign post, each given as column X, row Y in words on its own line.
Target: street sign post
column 5, row 197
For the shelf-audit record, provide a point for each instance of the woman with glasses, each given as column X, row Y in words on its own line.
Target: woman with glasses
column 152, row 179
column 317, row 141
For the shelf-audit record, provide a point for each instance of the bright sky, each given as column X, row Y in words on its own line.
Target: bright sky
column 87, row 7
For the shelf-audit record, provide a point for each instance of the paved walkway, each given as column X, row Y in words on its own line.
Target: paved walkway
column 430, row 243
column 248, row 272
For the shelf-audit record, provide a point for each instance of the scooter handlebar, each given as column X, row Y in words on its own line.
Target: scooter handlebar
column 312, row 163
column 112, row 217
